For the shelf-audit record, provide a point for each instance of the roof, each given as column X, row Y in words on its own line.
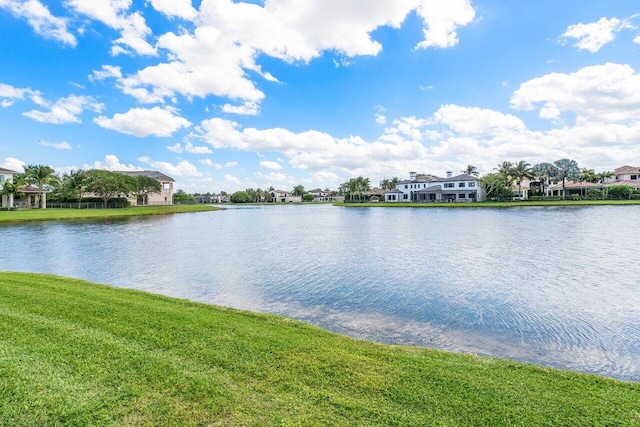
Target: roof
column 31, row 189
column 632, row 183
column 393, row 191
column 623, row 170
column 576, row 184
column 3, row 170
column 432, row 189
column 151, row 174
column 461, row 177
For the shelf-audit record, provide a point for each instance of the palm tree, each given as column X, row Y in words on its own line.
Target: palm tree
column 506, row 169
column 542, row 172
column 521, row 171
column 471, row 170
column 587, row 175
column 602, row 176
column 566, row 169
column 385, row 184
column 76, row 181
column 41, row 176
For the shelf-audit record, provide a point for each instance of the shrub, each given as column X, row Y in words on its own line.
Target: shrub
column 620, row 191
column 308, row 197
column 240, row 197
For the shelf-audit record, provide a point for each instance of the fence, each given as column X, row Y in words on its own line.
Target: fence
column 86, row 205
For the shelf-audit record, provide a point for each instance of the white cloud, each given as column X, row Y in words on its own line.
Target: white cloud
column 189, row 148
column 273, row 177
column 230, row 164
column 13, row 164
column 113, row 13
column 9, row 94
column 381, row 119
column 218, row 55
column 41, row 20
column 607, row 93
column 64, row 145
column 175, row 8
column 442, row 19
column 271, row 165
column 206, row 162
column 247, row 109
column 108, row 71
column 64, row 110
column 143, row 122
column 594, row 35
column 184, row 168
column 111, row 163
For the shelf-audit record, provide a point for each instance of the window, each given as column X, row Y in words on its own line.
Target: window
column 448, row 185
column 405, row 196
column 472, row 184
column 634, row 177
column 461, row 184
column 406, row 186
column 461, row 196
column 166, row 185
column 1, row 178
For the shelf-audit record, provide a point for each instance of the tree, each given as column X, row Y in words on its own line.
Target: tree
column 471, row 170
column 496, row 186
column 542, row 172
column 146, row 185
column 76, row 182
column 106, row 184
column 389, row 184
column 41, row 176
column 181, row 196
column 298, row 190
column 240, row 197
column 587, row 175
column 308, row 197
column 566, row 169
column 620, row 190
column 521, row 171
column 602, row 176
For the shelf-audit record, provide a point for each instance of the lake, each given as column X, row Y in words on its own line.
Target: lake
column 557, row 286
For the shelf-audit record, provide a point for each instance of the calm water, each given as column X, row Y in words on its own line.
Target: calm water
column 555, row 286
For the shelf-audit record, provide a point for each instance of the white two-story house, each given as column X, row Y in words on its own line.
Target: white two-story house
column 6, row 175
column 430, row 188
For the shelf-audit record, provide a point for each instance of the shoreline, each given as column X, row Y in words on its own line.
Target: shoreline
column 64, row 214
column 480, row 205
column 80, row 352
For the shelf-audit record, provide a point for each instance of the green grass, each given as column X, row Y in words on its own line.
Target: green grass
column 24, row 215
column 77, row 353
column 491, row 204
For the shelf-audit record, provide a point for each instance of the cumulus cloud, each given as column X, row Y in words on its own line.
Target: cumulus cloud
column 594, row 35
column 442, row 19
column 189, row 148
column 143, row 122
column 175, row 8
column 9, row 94
column 603, row 93
column 41, row 20
column 114, row 14
column 218, row 57
column 63, row 145
column 13, row 164
column 64, row 110
column 184, row 168
column 271, row 165
column 111, row 163
column 108, row 71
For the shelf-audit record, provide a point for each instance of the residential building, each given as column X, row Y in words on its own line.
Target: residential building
column 281, row 196
column 6, row 175
column 27, row 196
column 320, row 195
column 430, row 188
column 625, row 175
column 164, row 197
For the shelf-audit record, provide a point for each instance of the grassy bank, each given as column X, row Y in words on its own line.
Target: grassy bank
column 61, row 214
column 493, row 204
column 76, row 353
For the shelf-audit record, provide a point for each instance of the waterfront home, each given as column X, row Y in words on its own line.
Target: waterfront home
column 281, row 196
column 625, row 175
column 430, row 188
column 6, row 175
column 212, row 198
column 320, row 195
column 164, row 197
column 26, row 197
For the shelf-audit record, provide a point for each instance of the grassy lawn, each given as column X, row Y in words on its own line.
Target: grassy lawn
column 77, row 353
column 59, row 214
column 492, row 204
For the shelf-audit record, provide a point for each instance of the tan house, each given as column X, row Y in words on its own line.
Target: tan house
column 281, row 196
column 164, row 197
column 625, row 175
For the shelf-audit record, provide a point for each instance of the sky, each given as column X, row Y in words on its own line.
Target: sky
column 226, row 95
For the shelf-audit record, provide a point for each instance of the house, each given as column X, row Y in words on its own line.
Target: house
column 281, row 196
column 212, row 198
column 164, row 197
column 27, row 196
column 6, row 175
column 430, row 188
column 625, row 175
column 320, row 195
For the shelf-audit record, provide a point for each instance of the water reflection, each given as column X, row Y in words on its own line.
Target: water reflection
column 556, row 286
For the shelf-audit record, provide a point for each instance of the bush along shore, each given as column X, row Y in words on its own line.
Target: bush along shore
column 513, row 204
column 25, row 215
column 77, row 353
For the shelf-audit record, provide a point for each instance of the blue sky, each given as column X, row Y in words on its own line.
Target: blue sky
column 224, row 95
